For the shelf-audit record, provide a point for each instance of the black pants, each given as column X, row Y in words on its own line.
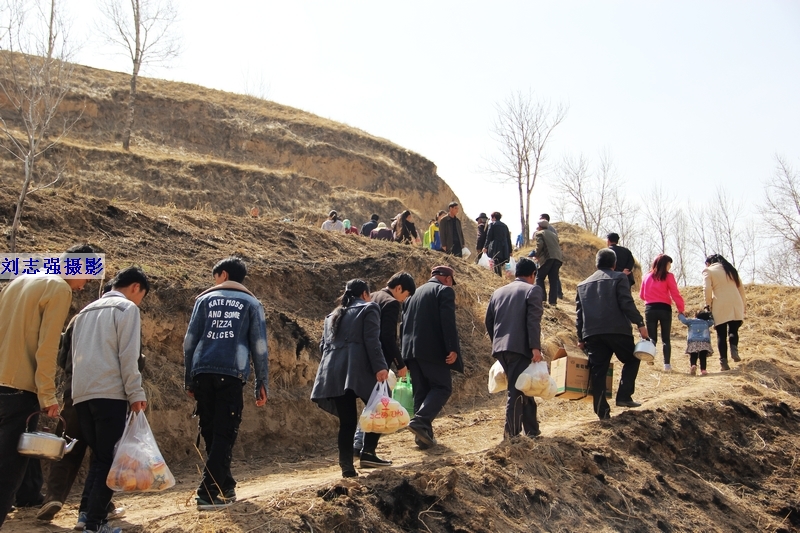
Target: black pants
column 702, row 356
column 433, row 386
column 655, row 314
column 219, row 407
column 62, row 473
column 348, row 421
column 29, row 493
column 520, row 409
column 725, row 332
column 15, row 406
column 549, row 270
column 456, row 251
column 601, row 348
column 102, row 423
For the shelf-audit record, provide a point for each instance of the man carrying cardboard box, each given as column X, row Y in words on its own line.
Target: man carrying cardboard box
column 604, row 310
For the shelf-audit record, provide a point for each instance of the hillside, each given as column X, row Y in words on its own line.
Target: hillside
column 717, row 453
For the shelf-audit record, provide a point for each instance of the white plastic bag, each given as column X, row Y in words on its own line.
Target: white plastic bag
column 138, row 464
column 535, row 381
column 465, row 252
column 383, row 414
column 511, row 266
column 391, row 381
column 498, row 380
column 484, row 261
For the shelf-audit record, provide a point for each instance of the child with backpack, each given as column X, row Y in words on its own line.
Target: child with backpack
column 698, row 341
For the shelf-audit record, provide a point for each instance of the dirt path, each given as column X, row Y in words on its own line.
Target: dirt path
column 465, row 431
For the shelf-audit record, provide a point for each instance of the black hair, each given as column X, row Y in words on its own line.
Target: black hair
column 352, row 291
column 405, row 280
column 452, row 205
column 234, row 266
column 496, row 215
column 107, row 287
column 129, row 276
column 545, row 216
column 333, row 215
column 613, row 237
column 606, row 259
column 80, row 249
column 730, row 270
column 703, row 315
column 525, row 268
column 374, row 216
column 440, row 213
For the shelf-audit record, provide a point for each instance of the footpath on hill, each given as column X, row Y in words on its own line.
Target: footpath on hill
column 694, row 421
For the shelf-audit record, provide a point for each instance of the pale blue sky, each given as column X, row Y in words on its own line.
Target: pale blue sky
column 689, row 94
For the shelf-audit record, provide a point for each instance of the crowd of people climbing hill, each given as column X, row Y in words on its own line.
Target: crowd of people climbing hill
column 227, row 337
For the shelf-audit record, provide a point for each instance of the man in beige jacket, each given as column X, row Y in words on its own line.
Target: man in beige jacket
column 33, row 309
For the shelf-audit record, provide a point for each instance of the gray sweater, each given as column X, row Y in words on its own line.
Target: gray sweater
column 105, row 351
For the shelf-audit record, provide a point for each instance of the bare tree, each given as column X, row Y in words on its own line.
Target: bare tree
column 679, row 241
column 144, row 30
column 622, row 220
column 589, row 196
column 659, row 213
column 522, row 130
column 781, row 209
column 726, row 217
column 35, row 79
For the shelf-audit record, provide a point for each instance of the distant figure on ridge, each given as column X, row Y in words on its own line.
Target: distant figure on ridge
column 368, row 226
column 348, row 229
column 450, row 232
column 548, row 254
column 382, row 233
column 333, row 223
column 498, row 243
column 625, row 261
column 405, row 231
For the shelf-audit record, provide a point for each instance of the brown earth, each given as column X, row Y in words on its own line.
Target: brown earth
column 717, row 453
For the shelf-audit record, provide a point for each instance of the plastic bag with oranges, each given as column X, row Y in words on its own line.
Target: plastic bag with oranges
column 138, row 464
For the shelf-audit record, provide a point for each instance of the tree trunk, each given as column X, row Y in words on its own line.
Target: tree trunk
column 20, row 202
column 126, row 134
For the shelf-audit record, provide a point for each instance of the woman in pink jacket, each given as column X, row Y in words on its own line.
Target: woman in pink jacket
column 658, row 290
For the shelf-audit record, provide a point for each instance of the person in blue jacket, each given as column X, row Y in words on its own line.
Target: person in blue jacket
column 698, row 340
column 227, row 330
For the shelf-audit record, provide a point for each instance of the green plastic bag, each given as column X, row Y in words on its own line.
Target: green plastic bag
column 404, row 393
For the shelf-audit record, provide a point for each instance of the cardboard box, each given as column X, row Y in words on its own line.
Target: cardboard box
column 571, row 374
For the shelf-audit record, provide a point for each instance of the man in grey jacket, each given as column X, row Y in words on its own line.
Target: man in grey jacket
column 548, row 253
column 450, row 232
column 513, row 322
column 106, row 343
column 604, row 310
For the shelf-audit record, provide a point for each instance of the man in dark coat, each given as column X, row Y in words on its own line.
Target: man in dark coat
column 450, row 232
column 481, row 244
column 625, row 261
column 604, row 311
column 430, row 349
column 513, row 321
column 370, row 225
column 498, row 243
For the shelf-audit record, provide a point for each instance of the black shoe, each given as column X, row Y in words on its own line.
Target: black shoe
column 534, row 434
column 422, row 436
column 628, row 403
column 723, row 365
column 370, row 460
column 349, row 472
column 735, row 354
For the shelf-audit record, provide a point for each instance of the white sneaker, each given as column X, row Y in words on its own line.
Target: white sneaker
column 667, row 368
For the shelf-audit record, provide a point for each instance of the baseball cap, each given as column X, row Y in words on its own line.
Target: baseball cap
column 444, row 270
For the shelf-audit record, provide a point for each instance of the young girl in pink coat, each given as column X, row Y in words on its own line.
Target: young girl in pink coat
column 658, row 290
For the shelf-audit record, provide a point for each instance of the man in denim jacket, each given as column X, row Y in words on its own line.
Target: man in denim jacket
column 226, row 331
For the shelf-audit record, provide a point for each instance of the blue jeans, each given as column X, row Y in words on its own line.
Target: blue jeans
column 15, row 406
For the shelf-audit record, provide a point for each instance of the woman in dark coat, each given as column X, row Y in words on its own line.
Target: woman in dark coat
column 352, row 362
column 498, row 243
column 404, row 230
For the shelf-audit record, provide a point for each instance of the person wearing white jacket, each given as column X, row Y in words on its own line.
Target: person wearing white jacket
column 106, row 344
